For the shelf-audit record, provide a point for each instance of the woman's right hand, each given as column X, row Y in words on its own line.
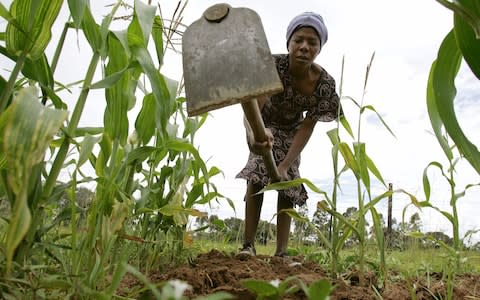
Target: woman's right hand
column 263, row 147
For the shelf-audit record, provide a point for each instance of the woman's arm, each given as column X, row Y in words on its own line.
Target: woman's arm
column 299, row 141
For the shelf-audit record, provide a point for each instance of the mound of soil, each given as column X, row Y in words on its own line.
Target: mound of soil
column 216, row 271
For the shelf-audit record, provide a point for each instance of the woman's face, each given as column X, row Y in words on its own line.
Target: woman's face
column 304, row 46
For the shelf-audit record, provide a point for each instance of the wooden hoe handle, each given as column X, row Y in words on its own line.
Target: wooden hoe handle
column 252, row 113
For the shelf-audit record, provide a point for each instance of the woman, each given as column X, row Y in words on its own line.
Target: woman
column 290, row 117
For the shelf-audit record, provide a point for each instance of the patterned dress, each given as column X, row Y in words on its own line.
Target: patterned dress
column 282, row 114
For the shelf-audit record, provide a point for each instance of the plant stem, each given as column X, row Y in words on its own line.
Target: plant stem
column 7, row 91
column 58, row 51
column 77, row 113
column 361, row 230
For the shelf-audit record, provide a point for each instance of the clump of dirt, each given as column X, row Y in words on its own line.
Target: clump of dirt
column 216, row 271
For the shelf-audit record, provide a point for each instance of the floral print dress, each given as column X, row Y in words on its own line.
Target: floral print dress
column 282, row 114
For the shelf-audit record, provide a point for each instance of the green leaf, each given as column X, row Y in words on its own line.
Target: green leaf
column 26, row 129
column 346, row 125
column 109, row 80
column 443, row 84
column 194, row 193
column 145, row 122
column 261, row 288
column 165, row 103
column 91, row 30
column 140, row 154
column 157, row 35
column 187, row 147
column 217, row 296
column 104, row 28
column 469, row 10
column 141, row 25
column 35, row 18
column 120, row 94
column 4, row 13
column 468, row 43
column 38, row 70
column 322, row 205
column 369, row 107
column 77, row 9
column 434, row 116
column 361, row 158
column 18, row 226
column 277, row 186
column 373, row 168
column 207, row 198
column 320, row 290
column 377, row 225
column 349, row 159
column 86, row 148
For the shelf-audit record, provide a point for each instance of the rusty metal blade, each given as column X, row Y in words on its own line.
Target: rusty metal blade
column 227, row 61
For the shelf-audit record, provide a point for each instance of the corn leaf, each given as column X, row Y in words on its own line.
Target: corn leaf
column 26, row 128
column 377, row 199
column 187, row 147
column 373, row 168
column 18, row 227
column 165, row 103
column 468, row 43
column 4, row 13
column 349, row 159
column 469, row 10
column 35, row 19
column 369, row 107
column 143, row 20
column 157, row 35
column 109, row 80
column 86, row 148
column 38, row 70
column 145, row 122
column 259, row 287
column 282, row 185
column 346, row 125
column 140, row 154
column 345, row 221
column 121, row 92
column 27, row 132
column 434, row 116
column 77, row 9
column 377, row 225
column 443, row 87
column 82, row 131
column 320, row 290
column 91, row 30
column 360, row 157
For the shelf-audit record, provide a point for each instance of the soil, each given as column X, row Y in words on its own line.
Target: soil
column 216, row 271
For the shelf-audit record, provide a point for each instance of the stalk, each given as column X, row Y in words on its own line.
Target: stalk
column 7, row 91
column 59, row 48
column 77, row 113
column 361, row 230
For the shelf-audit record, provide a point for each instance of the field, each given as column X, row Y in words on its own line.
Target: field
column 223, row 271
column 105, row 212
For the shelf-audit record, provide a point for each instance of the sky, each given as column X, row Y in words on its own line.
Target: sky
column 405, row 37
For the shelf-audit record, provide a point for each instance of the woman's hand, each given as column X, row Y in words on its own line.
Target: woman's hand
column 264, row 147
column 282, row 171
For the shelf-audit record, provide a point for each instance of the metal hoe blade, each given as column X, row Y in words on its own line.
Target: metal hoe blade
column 226, row 60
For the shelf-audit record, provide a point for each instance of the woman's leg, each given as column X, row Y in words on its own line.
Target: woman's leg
column 253, row 207
column 283, row 225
